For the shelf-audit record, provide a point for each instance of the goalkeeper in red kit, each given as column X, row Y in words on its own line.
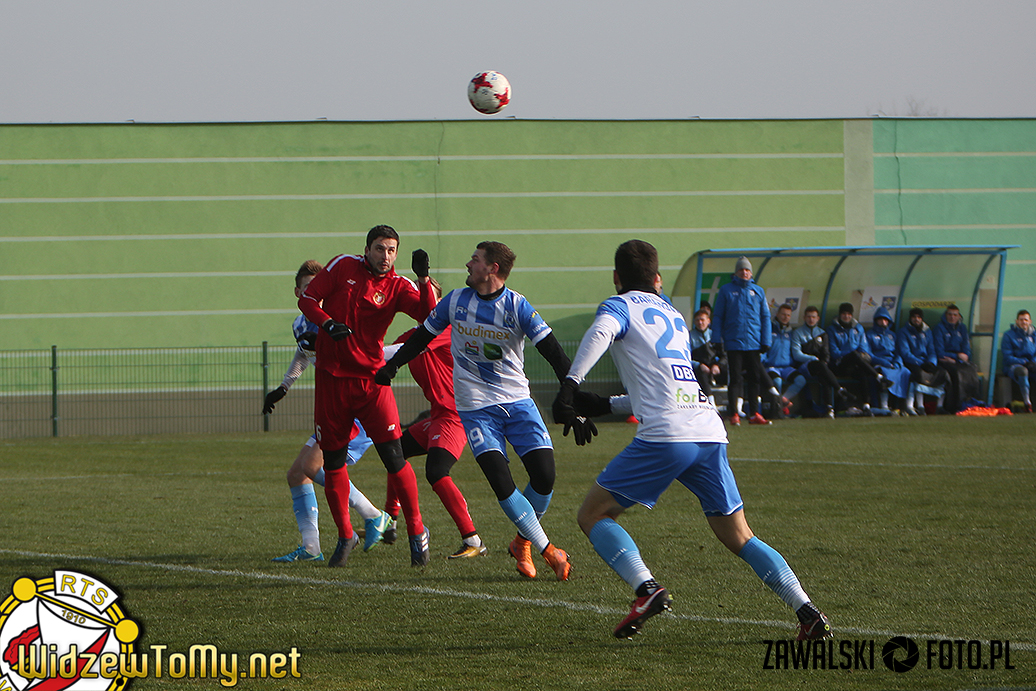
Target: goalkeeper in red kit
column 354, row 300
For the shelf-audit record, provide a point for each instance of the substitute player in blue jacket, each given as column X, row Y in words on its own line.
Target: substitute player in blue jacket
column 680, row 437
column 1019, row 348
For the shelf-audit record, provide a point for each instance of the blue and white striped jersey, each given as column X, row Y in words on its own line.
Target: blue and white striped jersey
column 305, row 333
column 648, row 341
column 488, row 345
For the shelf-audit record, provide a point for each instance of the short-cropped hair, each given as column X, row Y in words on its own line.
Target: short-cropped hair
column 636, row 262
column 500, row 254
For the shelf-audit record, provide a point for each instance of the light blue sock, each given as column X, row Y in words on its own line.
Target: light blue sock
column 540, row 502
column 619, row 551
column 521, row 513
column 304, row 503
column 796, row 385
column 774, row 571
column 318, row 477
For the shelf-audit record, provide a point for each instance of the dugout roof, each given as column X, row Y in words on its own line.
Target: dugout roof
column 970, row 276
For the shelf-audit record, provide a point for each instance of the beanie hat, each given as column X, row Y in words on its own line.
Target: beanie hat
column 743, row 263
column 845, row 307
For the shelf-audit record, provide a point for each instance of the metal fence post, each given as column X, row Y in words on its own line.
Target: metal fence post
column 54, row 390
column 266, row 382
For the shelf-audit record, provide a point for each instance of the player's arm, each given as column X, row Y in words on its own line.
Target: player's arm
column 552, row 352
column 571, row 406
column 413, row 347
column 298, row 365
column 309, row 305
column 420, row 304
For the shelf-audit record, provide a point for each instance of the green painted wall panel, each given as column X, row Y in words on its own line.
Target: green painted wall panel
column 396, row 178
column 562, row 194
column 954, row 135
column 957, row 172
column 975, row 208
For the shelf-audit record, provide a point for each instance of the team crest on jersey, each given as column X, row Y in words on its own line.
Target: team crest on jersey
column 509, row 320
column 379, row 298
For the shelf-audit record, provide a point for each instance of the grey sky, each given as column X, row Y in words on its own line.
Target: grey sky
column 263, row 60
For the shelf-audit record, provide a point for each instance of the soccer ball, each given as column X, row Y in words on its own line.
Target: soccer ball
column 489, row 92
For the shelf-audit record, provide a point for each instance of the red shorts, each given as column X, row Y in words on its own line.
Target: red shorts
column 445, row 432
column 340, row 400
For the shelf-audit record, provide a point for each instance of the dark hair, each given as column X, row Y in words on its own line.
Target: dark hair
column 1021, row 312
column 310, row 267
column 381, row 232
column 703, row 311
column 845, row 307
column 786, row 306
column 952, row 306
column 916, row 311
column 636, row 262
column 500, row 254
column 811, row 308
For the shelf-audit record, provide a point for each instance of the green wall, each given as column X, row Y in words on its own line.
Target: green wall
column 189, row 235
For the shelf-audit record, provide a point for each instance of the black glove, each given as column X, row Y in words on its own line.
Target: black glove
column 589, row 404
column 384, row 376
column 419, row 263
column 272, row 398
column 584, row 430
column 763, row 349
column 308, row 341
column 336, row 330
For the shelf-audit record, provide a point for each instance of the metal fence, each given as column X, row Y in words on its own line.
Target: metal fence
column 142, row 391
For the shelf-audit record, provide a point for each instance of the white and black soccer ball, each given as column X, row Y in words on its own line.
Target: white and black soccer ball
column 489, row 92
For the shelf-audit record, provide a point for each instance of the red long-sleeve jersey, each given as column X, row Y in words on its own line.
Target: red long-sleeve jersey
column 433, row 372
column 348, row 292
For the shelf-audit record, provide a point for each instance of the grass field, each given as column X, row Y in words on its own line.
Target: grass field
column 915, row 527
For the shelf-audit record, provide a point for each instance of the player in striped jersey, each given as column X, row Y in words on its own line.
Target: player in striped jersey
column 490, row 323
column 680, row 437
column 308, row 465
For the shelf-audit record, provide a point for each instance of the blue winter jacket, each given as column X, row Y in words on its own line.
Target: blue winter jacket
column 843, row 340
column 882, row 342
column 915, row 347
column 951, row 339
column 779, row 354
column 800, row 336
column 1018, row 347
column 741, row 317
column 698, row 338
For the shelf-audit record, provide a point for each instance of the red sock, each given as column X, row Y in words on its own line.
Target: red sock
column 404, row 484
column 336, row 489
column 391, row 502
column 454, row 502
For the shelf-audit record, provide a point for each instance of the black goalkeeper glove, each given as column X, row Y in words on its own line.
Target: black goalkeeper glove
column 589, row 404
column 271, row 399
column 419, row 263
column 336, row 330
column 384, row 376
column 763, row 349
column 308, row 341
column 583, row 430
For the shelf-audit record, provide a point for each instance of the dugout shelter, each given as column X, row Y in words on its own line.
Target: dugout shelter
column 896, row 277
